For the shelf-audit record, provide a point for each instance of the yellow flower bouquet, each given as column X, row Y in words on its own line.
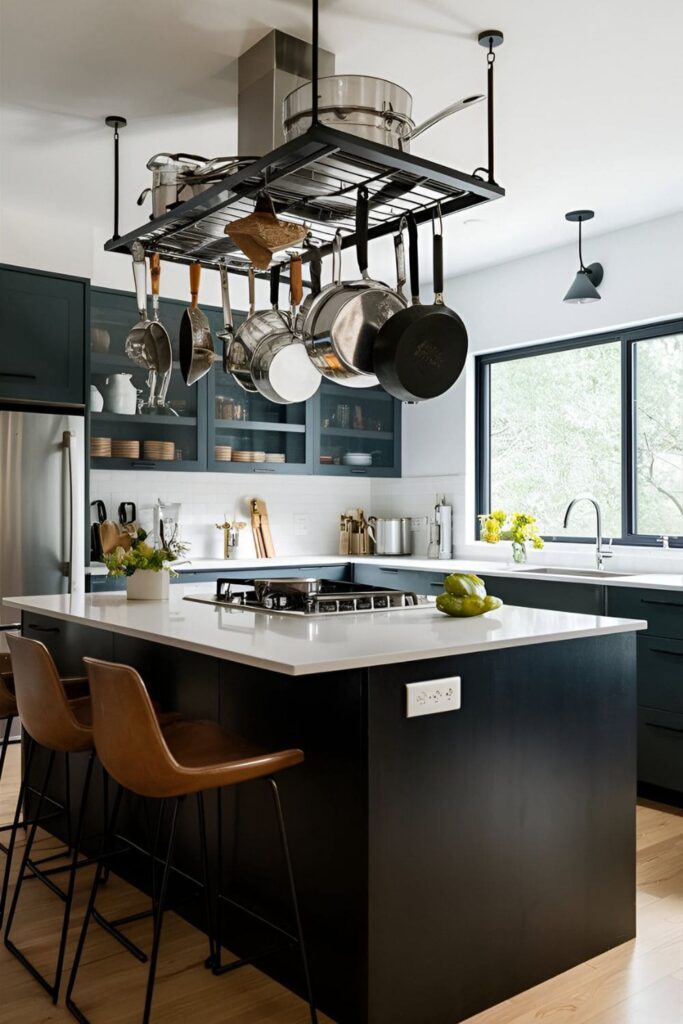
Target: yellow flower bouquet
column 518, row 527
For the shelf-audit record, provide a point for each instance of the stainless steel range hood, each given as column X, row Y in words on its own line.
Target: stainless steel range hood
column 266, row 73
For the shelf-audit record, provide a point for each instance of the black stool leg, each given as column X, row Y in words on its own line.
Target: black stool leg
column 159, row 916
column 5, row 741
column 97, row 881
column 295, row 902
column 22, row 874
column 72, row 877
column 208, row 889
column 14, row 829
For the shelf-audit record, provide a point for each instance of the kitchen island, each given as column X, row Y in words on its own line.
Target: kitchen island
column 444, row 862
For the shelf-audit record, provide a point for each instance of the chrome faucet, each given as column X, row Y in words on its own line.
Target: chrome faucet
column 600, row 554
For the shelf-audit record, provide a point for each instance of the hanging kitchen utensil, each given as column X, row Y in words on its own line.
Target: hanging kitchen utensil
column 369, row 108
column 162, row 342
column 195, row 341
column 421, row 351
column 261, row 234
column 344, row 322
column 258, row 326
column 280, row 367
column 227, row 335
column 139, row 345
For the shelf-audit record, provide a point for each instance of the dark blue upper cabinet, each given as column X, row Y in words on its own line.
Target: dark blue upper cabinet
column 43, row 320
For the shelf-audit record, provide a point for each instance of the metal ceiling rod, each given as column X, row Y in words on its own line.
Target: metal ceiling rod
column 314, row 62
column 116, row 122
column 491, row 38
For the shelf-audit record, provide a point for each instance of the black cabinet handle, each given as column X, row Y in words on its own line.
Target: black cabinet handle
column 384, row 569
column 660, row 650
column 439, row 585
column 663, row 604
column 12, row 625
column 664, row 728
column 360, row 472
column 18, row 376
column 143, row 464
column 43, row 629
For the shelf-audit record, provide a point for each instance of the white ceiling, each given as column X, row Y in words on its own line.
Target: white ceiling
column 588, row 102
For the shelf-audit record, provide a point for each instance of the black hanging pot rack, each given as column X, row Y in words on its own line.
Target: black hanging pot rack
column 315, row 178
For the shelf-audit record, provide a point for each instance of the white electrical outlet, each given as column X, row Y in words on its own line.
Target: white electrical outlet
column 302, row 524
column 433, row 696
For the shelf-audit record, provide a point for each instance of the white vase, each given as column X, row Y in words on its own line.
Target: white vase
column 147, row 585
column 96, row 399
column 120, row 395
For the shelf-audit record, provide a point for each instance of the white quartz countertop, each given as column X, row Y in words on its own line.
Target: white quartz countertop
column 654, row 581
column 303, row 645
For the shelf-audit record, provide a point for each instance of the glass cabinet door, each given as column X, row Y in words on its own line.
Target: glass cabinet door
column 358, row 432
column 248, row 433
column 122, row 436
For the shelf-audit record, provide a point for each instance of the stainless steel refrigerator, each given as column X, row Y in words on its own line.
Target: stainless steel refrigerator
column 42, row 506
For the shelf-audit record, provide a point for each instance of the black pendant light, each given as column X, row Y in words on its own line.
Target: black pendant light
column 585, row 285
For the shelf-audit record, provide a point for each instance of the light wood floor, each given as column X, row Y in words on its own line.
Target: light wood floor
column 640, row 982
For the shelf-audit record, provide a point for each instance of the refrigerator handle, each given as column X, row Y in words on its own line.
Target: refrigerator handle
column 69, row 513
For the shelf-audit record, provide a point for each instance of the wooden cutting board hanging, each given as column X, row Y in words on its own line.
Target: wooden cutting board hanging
column 261, row 234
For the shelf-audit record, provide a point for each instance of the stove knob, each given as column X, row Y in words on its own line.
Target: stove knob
column 268, row 601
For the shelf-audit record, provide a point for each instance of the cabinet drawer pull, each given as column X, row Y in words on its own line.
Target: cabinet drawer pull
column 18, row 376
column 438, row 585
column 12, row 625
column 143, row 464
column 43, row 629
column 665, row 728
column 663, row 604
column 360, row 472
column 264, row 470
column 384, row 569
column 660, row 650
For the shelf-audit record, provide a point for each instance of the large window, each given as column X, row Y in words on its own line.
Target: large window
column 603, row 415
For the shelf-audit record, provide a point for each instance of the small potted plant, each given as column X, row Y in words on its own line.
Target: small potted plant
column 147, row 569
column 519, row 527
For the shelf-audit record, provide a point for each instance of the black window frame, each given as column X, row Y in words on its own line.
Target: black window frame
column 627, row 338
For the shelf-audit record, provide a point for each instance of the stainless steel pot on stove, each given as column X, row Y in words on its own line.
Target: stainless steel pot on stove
column 370, row 108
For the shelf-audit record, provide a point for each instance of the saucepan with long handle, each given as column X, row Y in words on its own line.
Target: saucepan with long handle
column 280, row 367
column 420, row 352
column 340, row 329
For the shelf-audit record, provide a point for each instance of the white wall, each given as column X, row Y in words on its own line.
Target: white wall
column 519, row 303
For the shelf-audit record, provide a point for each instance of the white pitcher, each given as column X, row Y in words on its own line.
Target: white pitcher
column 120, row 394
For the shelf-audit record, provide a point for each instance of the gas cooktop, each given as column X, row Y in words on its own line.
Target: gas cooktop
column 297, row 596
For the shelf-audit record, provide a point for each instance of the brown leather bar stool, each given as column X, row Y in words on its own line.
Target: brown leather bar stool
column 74, row 685
column 59, row 725
column 185, row 759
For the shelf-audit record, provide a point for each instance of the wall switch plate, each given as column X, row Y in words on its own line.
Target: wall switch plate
column 302, row 524
column 433, row 696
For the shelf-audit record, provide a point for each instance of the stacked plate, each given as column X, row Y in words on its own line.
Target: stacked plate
column 223, row 453
column 248, row 456
column 357, row 459
column 158, row 451
column 125, row 449
column 275, row 457
column 100, row 447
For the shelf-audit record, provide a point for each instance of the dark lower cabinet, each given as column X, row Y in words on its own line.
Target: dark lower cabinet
column 42, row 319
column 558, row 597
column 660, row 686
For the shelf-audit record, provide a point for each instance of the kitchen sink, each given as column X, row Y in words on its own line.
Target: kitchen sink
column 563, row 571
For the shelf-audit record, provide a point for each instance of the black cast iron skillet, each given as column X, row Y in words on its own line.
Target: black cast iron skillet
column 420, row 352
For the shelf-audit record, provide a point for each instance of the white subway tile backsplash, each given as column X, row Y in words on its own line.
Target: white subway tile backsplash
column 207, row 497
